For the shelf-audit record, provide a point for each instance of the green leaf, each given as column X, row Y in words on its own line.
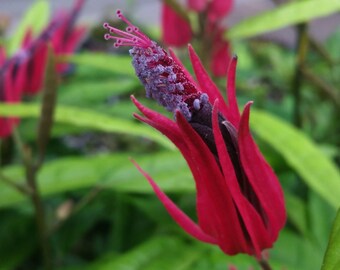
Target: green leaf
column 285, row 15
column 301, row 153
column 297, row 213
column 88, row 119
column 156, row 253
column 35, row 19
column 291, row 251
column 120, row 64
column 89, row 93
column 320, row 219
column 108, row 171
column 332, row 256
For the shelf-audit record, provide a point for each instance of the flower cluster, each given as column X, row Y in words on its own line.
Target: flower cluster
column 23, row 72
column 177, row 30
column 240, row 204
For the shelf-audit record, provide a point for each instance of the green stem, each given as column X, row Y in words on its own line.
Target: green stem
column 24, row 189
column 31, row 171
column 302, row 48
column 264, row 264
column 77, row 207
column 328, row 90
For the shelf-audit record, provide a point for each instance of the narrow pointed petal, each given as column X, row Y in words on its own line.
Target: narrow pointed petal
column 206, row 84
column 254, row 236
column 9, row 94
column 172, row 131
column 216, row 209
column 176, row 31
column 262, row 178
column 36, row 70
column 177, row 214
column 234, row 112
column 160, row 122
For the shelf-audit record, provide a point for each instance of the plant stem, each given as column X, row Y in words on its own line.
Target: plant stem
column 328, row 90
column 264, row 264
column 30, row 171
column 302, row 48
column 22, row 188
column 39, row 210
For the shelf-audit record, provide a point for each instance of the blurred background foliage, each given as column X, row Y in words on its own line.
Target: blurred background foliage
column 102, row 214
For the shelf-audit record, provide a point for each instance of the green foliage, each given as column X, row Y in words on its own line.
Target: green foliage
column 105, row 171
column 332, row 256
column 102, row 214
column 120, row 64
column 86, row 119
column 35, row 19
column 318, row 172
column 282, row 16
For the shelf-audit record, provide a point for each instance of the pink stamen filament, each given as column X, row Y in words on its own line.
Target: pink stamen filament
column 129, row 39
column 123, row 41
column 134, row 29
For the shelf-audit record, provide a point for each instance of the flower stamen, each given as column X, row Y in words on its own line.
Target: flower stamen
column 131, row 37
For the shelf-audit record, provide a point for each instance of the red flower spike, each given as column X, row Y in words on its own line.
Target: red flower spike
column 197, row 5
column 218, row 9
column 239, row 201
column 220, row 54
column 67, row 36
column 176, row 31
column 11, row 84
column 36, row 66
column 33, row 59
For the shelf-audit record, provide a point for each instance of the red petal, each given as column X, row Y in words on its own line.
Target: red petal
column 219, row 8
column 250, row 219
column 262, row 178
column 215, row 208
column 177, row 214
column 172, row 131
column 176, row 31
column 206, row 84
column 234, row 113
column 160, row 122
column 197, row 5
column 36, row 70
column 220, row 55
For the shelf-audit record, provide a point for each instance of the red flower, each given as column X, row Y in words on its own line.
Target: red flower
column 35, row 60
column 220, row 53
column 176, row 30
column 197, row 5
column 216, row 9
column 11, row 85
column 67, row 36
column 240, row 204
